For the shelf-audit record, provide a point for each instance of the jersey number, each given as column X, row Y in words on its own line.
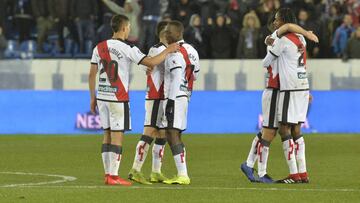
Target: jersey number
column 301, row 61
column 111, row 68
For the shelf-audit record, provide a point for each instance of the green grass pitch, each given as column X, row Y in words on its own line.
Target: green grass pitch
column 213, row 163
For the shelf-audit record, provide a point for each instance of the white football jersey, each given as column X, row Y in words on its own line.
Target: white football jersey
column 272, row 76
column 291, row 52
column 114, row 58
column 155, row 81
column 187, row 60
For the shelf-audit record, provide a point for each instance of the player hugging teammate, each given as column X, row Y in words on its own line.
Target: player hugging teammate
column 172, row 66
column 284, row 101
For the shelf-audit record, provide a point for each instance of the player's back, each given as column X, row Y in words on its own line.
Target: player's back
column 188, row 59
column 114, row 58
column 291, row 50
column 155, row 80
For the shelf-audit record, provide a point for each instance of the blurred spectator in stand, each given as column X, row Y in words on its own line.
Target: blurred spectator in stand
column 353, row 9
column 352, row 50
column 329, row 22
column 221, row 5
column 150, row 16
column 131, row 9
column 23, row 18
column 3, row 43
column 221, row 38
column 206, row 9
column 182, row 10
column 109, row 8
column 265, row 11
column 193, row 35
column 307, row 24
column 341, row 36
column 236, row 11
column 43, row 11
column 249, row 37
column 166, row 17
column 84, row 13
column 63, row 25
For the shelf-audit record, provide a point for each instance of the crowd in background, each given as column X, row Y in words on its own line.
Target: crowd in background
column 221, row 29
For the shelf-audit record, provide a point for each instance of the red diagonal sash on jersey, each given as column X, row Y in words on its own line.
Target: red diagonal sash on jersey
column 104, row 54
column 153, row 93
column 295, row 39
column 188, row 71
column 273, row 82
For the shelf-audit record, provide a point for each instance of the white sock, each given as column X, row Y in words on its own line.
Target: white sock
column 115, row 158
column 250, row 162
column 142, row 149
column 157, row 154
column 263, row 154
column 105, row 157
column 289, row 152
column 180, row 159
column 300, row 154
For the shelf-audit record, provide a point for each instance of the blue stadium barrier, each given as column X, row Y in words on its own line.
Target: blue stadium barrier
column 66, row 112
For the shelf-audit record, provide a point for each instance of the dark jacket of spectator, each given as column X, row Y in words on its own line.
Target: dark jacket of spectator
column 352, row 49
column 194, row 35
column 3, row 44
column 84, row 9
column 221, row 39
column 182, row 10
column 150, row 7
column 62, row 10
column 43, row 8
column 249, row 37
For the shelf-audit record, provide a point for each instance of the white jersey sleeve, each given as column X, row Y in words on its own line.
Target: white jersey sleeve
column 135, row 55
column 95, row 58
column 278, row 47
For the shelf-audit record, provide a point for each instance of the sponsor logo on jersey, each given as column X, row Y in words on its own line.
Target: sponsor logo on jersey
column 105, row 88
column 302, row 75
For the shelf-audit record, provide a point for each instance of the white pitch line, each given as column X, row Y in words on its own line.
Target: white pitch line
column 195, row 188
column 62, row 180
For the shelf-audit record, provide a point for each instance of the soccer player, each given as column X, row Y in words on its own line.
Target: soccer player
column 154, row 111
column 111, row 59
column 260, row 146
column 181, row 70
column 290, row 53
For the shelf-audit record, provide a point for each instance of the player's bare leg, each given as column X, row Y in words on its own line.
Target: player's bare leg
column 115, row 155
column 289, row 148
column 178, row 150
column 157, row 156
column 268, row 134
column 105, row 154
column 300, row 152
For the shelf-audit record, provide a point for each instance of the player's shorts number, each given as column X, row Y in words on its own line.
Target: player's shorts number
column 111, row 68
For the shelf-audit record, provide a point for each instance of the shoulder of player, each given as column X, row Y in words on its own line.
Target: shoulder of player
column 176, row 57
column 157, row 49
column 159, row 45
column 124, row 42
